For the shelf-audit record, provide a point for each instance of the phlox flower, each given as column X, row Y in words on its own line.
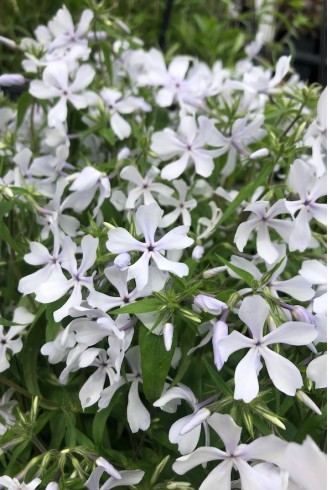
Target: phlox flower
column 260, row 220
column 284, row 374
column 56, row 287
column 137, row 414
column 233, row 457
column 182, row 206
column 185, row 431
column 56, row 84
column 303, row 181
column 189, row 143
column 127, row 478
column 147, row 220
column 6, row 407
column 116, row 105
column 143, row 187
column 63, row 30
column 315, row 272
column 14, row 484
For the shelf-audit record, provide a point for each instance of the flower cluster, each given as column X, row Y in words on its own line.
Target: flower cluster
column 160, row 260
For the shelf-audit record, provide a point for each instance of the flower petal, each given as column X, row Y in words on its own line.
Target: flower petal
column 246, row 382
column 283, row 373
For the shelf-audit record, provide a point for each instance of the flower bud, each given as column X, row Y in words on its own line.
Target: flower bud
column 209, row 304
column 123, row 154
column 8, row 42
column 108, row 467
column 220, row 331
column 263, row 152
column 303, row 315
column 198, row 417
column 8, row 80
column 53, row 485
column 303, row 397
column 198, row 252
column 213, row 272
column 168, row 331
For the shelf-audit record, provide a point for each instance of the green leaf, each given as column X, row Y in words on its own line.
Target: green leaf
column 70, row 435
column 142, row 306
column 155, row 362
column 246, row 192
column 7, row 323
column 267, row 276
column 248, row 278
column 24, row 102
column 217, row 379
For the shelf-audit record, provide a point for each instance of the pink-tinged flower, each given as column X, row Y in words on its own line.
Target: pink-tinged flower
column 260, row 221
column 233, row 457
column 189, row 143
column 283, row 373
column 143, row 187
column 303, row 181
column 56, row 84
column 147, row 220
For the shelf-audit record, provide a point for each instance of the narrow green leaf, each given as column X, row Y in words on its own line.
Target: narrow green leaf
column 248, row 278
column 24, row 102
column 246, row 192
column 155, row 362
column 70, row 435
column 267, row 276
column 142, row 306
column 217, row 379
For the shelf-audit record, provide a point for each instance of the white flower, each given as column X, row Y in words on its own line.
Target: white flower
column 181, row 205
column 317, row 371
column 85, row 186
column 234, row 457
column 127, row 478
column 116, row 104
column 142, row 188
column 14, row 484
column 189, row 142
column 306, row 465
column 185, row 431
column 284, row 375
column 56, row 287
column 147, row 220
column 260, row 221
column 56, row 84
column 6, row 407
column 62, row 28
column 209, row 304
column 303, row 181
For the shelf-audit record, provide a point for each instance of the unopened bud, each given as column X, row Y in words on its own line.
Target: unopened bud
column 303, row 315
column 8, row 80
column 303, row 397
column 123, row 154
column 8, row 42
column 273, row 419
column 168, row 331
column 262, row 153
column 220, row 331
column 213, row 272
column 198, row 417
column 198, row 252
column 209, row 304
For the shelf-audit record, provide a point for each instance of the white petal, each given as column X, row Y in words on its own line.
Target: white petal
column 89, row 246
column 121, row 128
column 166, row 143
column 254, row 311
column 175, row 169
column 187, row 442
column 243, row 232
column 269, row 448
column 164, row 97
column 58, row 113
column 40, row 90
column 138, row 415
column 297, row 287
column 227, row 429
column 301, row 234
column 140, row 271
column 234, row 342
column 120, row 240
column 164, row 264
column 147, row 220
column 283, row 373
column 175, row 239
column 132, row 174
column 246, row 382
column 128, row 478
column 265, row 247
column 56, row 75
column 179, row 66
column 84, row 76
column 204, row 164
column 199, row 456
column 219, row 478
column 90, row 391
column 254, row 480
column 292, row 333
column 317, row 371
column 319, row 212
